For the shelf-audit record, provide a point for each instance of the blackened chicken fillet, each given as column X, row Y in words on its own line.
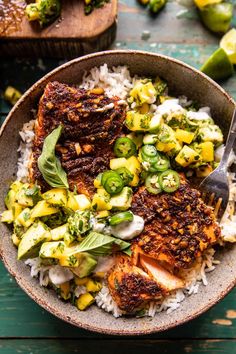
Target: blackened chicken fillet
column 92, row 122
column 179, row 226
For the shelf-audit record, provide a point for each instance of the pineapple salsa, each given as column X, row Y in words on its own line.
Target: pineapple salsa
column 72, row 231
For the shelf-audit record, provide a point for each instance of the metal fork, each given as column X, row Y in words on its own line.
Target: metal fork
column 215, row 187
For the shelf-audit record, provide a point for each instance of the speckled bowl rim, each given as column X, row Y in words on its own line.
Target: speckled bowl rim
column 20, row 280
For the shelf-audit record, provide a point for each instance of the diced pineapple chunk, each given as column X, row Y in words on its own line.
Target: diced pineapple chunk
column 10, row 199
column 165, row 147
column 135, row 181
column 56, row 196
column 207, row 151
column 16, row 186
column 42, row 208
column 15, row 239
column 164, row 98
column 100, row 275
column 69, row 261
column 81, row 281
column 69, row 238
column 84, row 301
column 7, row 216
column 22, row 198
column 118, row 163
column 93, row 286
column 103, row 214
column 187, row 156
column 100, row 203
column 144, row 108
column 65, row 290
column 59, row 232
column 12, row 95
column 144, row 92
column 54, row 249
column 136, row 121
column 72, row 202
column 16, row 210
column 184, row 136
column 83, row 201
column 24, row 218
column 98, row 181
column 133, row 164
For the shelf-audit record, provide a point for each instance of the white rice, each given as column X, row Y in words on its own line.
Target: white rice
column 105, row 301
column 25, row 150
column 194, row 277
column 118, row 82
column 115, row 82
column 38, row 270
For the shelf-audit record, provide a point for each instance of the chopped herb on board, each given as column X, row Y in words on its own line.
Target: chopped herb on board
column 90, row 5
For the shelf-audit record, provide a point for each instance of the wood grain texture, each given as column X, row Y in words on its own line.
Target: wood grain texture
column 13, row 302
column 73, row 34
column 22, row 317
column 38, row 331
column 118, row 346
column 73, row 23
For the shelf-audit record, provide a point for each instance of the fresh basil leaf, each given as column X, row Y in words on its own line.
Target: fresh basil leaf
column 49, row 165
column 122, row 244
column 99, row 245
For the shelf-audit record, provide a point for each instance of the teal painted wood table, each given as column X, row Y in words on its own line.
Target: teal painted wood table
column 27, row 328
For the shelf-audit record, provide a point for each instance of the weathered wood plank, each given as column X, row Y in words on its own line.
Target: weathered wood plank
column 72, row 34
column 165, row 27
column 184, row 39
column 32, row 70
column 21, row 317
column 117, row 346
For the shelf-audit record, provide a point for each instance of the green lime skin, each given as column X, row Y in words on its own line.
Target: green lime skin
column 218, row 66
column 217, row 17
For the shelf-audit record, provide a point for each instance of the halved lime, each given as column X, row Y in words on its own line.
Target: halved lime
column 228, row 43
column 218, row 65
column 217, row 17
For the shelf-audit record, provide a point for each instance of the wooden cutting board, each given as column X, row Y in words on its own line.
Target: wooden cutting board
column 72, row 35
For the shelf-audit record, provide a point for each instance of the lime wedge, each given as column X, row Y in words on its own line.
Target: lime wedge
column 228, row 43
column 202, row 3
column 218, row 65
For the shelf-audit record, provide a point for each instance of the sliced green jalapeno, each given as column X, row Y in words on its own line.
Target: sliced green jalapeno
column 121, row 217
column 162, row 164
column 125, row 174
column 149, row 154
column 150, row 160
column 152, row 184
column 112, row 182
column 169, row 181
column 155, row 163
column 149, row 151
column 124, row 147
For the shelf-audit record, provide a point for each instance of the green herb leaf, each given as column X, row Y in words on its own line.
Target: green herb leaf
column 33, row 193
column 49, row 165
column 128, row 252
column 99, row 245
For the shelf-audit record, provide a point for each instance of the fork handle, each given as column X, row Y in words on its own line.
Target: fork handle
column 229, row 143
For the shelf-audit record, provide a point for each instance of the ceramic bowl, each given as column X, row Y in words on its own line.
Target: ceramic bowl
column 182, row 80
